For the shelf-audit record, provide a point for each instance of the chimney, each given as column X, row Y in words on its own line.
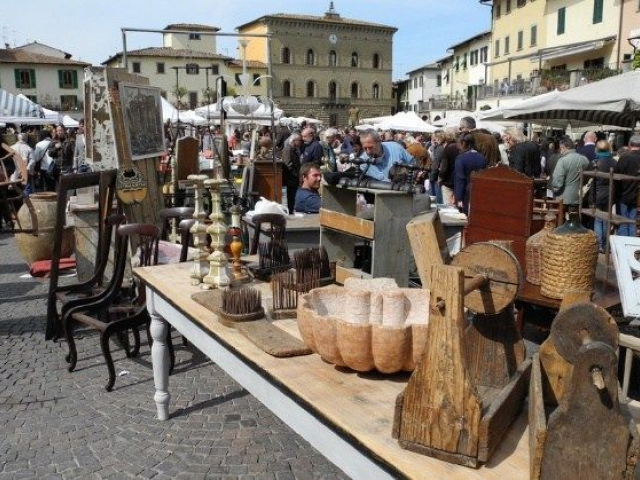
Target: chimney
column 7, row 46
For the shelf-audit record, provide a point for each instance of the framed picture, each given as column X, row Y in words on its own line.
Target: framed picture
column 142, row 115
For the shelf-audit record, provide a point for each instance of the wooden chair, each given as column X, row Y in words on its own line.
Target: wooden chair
column 277, row 225
column 177, row 214
column 632, row 346
column 73, row 295
column 105, row 312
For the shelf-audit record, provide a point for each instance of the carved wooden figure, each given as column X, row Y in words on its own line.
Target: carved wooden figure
column 471, row 381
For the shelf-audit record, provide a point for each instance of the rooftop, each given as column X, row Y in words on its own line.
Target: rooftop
column 11, row 55
column 192, row 27
column 428, row 66
column 169, row 52
column 332, row 18
column 477, row 36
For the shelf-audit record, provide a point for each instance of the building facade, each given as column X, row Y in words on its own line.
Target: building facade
column 325, row 66
column 187, row 64
column 423, row 84
column 53, row 82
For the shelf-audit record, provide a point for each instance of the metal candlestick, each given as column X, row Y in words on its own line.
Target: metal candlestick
column 199, row 230
column 236, row 245
column 217, row 276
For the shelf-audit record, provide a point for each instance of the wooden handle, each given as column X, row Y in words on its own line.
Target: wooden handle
column 469, row 286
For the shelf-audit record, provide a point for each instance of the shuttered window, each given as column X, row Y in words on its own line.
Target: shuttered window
column 25, row 78
column 67, row 79
column 561, row 20
column 597, row 11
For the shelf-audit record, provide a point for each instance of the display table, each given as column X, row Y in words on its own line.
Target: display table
column 346, row 416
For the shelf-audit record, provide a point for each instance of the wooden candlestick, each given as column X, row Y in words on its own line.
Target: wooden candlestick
column 217, row 276
column 199, row 231
column 236, row 245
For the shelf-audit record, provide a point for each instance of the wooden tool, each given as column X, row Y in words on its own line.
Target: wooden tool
column 131, row 184
column 470, row 381
column 588, row 435
column 284, row 299
column 242, row 305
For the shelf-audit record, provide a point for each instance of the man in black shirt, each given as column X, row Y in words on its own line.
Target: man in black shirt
column 627, row 206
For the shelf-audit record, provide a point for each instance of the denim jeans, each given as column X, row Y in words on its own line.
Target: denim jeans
column 600, row 228
column 630, row 211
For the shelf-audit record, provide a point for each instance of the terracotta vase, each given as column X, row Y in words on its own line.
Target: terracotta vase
column 38, row 215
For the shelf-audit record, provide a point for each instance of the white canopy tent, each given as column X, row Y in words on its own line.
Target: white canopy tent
column 454, row 122
column 612, row 101
column 406, row 122
column 70, row 122
column 299, row 120
column 170, row 113
column 17, row 106
column 374, row 120
column 44, row 117
column 262, row 116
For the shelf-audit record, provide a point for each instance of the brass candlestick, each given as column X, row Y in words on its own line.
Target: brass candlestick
column 199, row 230
column 217, row 276
column 236, row 245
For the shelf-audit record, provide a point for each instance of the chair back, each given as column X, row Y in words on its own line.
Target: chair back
column 276, row 230
column 174, row 213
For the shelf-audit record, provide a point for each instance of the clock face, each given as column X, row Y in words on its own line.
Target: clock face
column 333, row 38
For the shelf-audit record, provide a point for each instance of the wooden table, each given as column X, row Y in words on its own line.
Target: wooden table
column 346, row 416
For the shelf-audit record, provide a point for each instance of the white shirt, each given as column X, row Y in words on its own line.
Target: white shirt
column 41, row 155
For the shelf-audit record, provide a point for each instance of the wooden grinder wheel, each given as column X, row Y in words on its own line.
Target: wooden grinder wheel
column 492, row 278
column 579, row 325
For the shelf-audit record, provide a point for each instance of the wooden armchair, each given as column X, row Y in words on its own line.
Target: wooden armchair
column 105, row 312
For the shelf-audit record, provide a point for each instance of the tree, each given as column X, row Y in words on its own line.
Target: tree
column 179, row 93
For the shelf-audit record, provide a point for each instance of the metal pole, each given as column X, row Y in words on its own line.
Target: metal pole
column 125, row 58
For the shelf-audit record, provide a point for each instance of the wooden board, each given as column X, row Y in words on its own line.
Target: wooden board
column 537, row 418
column 342, row 273
column 359, row 407
column 347, row 224
column 428, row 243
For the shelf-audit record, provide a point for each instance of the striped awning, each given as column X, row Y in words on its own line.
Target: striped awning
column 13, row 106
column 612, row 101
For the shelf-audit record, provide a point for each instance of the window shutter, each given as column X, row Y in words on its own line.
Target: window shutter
column 75, row 79
column 32, row 76
column 597, row 11
column 60, row 79
column 17, row 74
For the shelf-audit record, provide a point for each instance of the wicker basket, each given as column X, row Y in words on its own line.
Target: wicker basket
column 533, row 249
column 569, row 258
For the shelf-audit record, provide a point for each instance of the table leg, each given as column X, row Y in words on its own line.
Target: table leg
column 160, row 358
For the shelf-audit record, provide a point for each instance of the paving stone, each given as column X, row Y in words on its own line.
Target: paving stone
column 60, row 424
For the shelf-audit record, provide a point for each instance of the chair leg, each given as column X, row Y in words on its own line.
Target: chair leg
column 136, row 342
column 72, row 356
column 104, row 343
column 123, row 338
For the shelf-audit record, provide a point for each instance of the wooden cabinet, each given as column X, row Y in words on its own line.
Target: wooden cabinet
column 501, row 208
column 341, row 230
column 266, row 182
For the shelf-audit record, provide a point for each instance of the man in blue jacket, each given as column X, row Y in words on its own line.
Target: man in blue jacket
column 308, row 195
column 382, row 154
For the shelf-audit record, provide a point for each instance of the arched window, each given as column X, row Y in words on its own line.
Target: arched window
column 311, row 57
column 286, row 88
column 375, row 91
column 333, row 58
column 354, row 59
column 354, row 90
column 311, row 89
column 286, row 55
column 376, row 60
column 333, row 90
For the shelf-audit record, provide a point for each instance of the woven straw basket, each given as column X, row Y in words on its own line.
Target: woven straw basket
column 533, row 250
column 568, row 263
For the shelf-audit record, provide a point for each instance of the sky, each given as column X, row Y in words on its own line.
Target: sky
column 90, row 29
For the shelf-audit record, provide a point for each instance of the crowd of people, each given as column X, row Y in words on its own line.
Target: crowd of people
column 445, row 160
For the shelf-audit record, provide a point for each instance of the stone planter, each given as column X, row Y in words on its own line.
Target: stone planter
column 38, row 215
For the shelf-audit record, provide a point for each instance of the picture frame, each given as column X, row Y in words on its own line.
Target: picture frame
column 142, row 117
